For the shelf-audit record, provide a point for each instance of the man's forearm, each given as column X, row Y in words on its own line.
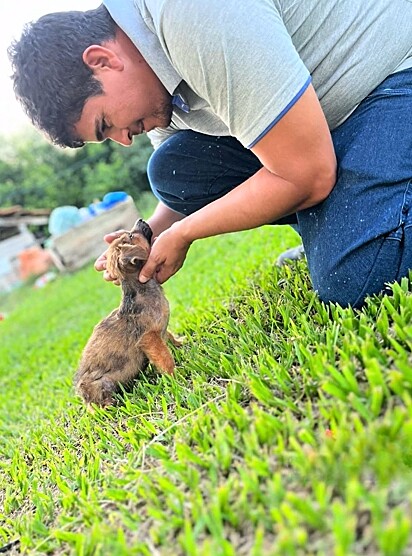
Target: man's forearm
column 261, row 199
column 162, row 218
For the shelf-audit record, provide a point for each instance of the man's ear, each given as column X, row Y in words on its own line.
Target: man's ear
column 98, row 57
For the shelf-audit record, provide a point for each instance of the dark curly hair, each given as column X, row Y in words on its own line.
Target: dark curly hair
column 49, row 76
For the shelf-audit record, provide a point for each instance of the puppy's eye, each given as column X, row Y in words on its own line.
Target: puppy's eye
column 131, row 237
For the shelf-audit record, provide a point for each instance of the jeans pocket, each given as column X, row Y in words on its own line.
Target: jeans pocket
column 385, row 267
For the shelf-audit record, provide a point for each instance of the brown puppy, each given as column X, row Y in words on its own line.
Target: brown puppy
column 123, row 343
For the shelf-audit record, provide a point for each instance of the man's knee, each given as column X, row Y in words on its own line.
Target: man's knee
column 190, row 170
column 341, row 290
column 157, row 168
column 166, row 181
column 367, row 271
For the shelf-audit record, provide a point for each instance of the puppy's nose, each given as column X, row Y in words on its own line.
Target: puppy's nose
column 143, row 228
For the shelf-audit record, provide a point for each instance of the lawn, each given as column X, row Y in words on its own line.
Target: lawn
column 286, row 430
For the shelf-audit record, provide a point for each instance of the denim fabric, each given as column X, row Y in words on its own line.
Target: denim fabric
column 360, row 237
column 190, row 170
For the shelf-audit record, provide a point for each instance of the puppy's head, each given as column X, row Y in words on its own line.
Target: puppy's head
column 128, row 253
column 99, row 392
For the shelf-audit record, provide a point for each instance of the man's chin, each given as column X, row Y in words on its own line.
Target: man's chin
column 166, row 124
column 164, row 116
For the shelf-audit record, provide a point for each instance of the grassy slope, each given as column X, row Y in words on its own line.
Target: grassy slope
column 286, row 430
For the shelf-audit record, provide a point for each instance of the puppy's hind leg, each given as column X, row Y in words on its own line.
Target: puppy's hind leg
column 155, row 349
column 174, row 340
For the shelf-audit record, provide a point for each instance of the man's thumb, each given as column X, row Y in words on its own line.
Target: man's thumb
column 144, row 275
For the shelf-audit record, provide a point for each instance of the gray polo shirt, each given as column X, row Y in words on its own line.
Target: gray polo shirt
column 235, row 67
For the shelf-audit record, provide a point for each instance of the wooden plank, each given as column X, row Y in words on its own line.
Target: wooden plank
column 85, row 242
column 11, row 221
column 17, row 210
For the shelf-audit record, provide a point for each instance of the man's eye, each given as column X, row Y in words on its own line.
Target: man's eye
column 105, row 125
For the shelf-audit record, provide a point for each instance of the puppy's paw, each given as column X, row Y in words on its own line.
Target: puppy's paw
column 177, row 341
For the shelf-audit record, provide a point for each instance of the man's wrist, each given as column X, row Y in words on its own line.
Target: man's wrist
column 184, row 229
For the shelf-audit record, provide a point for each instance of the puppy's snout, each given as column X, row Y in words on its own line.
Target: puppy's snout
column 143, row 228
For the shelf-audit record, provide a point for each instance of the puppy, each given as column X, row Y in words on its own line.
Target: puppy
column 123, row 343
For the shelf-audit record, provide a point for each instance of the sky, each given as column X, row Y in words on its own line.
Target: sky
column 13, row 15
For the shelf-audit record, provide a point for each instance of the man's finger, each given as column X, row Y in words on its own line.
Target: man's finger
column 164, row 274
column 147, row 272
column 108, row 238
column 100, row 263
column 109, row 278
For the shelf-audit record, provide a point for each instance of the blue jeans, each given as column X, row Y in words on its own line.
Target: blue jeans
column 359, row 238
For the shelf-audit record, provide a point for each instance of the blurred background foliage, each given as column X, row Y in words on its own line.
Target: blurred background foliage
column 36, row 174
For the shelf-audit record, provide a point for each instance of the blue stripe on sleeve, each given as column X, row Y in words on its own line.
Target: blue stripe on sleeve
column 288, row 107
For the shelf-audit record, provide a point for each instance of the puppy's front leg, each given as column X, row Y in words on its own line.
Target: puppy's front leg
column 155, row 349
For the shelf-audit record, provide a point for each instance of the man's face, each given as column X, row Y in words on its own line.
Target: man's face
column 134, row 101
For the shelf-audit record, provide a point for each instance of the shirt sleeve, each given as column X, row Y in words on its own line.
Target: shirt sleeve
column 238, row 57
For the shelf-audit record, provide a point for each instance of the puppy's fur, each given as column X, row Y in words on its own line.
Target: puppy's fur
column 123, row 343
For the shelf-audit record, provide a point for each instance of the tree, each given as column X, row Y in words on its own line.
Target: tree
column 36, row 174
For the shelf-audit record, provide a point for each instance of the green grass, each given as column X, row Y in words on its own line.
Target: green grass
column 287, row 428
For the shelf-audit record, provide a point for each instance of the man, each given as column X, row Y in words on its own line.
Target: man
column 261, row 111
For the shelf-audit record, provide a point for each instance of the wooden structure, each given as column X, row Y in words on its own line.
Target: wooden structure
column 83, row 243
column 15, row 239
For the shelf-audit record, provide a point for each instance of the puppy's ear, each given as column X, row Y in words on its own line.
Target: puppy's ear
column 113, row 255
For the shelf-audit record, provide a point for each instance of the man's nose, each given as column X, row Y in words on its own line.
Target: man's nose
column 121, row 136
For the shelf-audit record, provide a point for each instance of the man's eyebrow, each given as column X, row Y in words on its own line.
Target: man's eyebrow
column 98, row 129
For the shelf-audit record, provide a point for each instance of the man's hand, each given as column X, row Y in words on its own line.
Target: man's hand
column 100, row 264
column 162, row 218
column 167, row 255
